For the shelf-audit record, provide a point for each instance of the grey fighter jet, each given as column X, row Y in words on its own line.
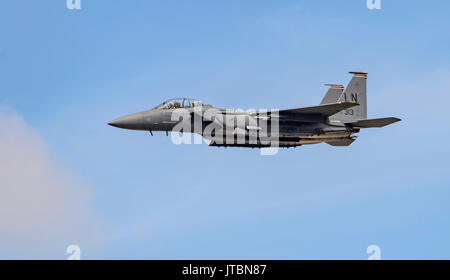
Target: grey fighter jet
column 340, row 115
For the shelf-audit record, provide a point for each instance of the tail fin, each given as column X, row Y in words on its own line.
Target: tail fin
column 356, row 91
column 333, row 94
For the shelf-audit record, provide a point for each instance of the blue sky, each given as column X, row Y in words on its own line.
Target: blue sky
column 65, row 73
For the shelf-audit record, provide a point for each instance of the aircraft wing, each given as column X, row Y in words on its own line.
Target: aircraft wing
column 325, row 110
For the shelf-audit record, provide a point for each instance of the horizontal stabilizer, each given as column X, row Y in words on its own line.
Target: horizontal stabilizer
column 325, row 110
column 374, row 122
column 341, row 142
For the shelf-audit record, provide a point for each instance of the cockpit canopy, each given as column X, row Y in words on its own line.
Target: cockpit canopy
column 179, row 103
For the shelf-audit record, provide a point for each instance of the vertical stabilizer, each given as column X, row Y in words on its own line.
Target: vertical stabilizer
column 333, row 94
column 356, row 91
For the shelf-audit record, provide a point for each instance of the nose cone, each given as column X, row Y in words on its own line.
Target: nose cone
column 134, row 121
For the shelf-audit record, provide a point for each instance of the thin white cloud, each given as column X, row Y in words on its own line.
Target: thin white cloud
column 43, row 207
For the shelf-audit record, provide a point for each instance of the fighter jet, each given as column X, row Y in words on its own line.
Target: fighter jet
column 340, row 115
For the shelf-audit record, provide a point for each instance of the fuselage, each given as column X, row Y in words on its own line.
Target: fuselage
column 255, row 129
